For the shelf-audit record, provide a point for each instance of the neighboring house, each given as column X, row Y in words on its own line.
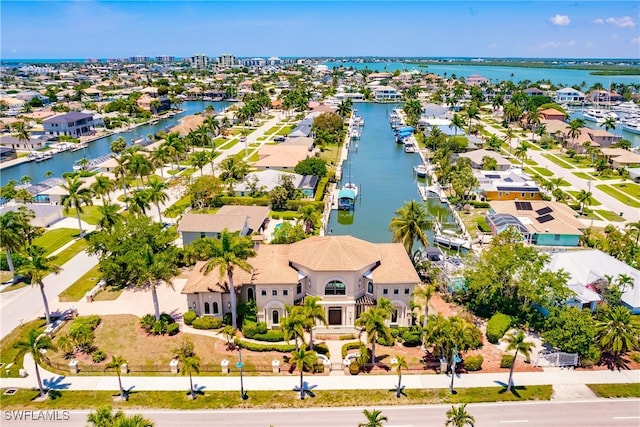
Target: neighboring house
column 284, row 156
column 506, row 185
column 267, row 180
column 72, row 123
column 476, row 80
column 541, row 223
column 45, row 215
column 385, row 93
column 634, row 174
column 477, row 156
column 7, row 153
column 569, row 95
column 305, row 126
column 588, row 270
column 533, row 91
column 601, row 137
column 32, row 144
column 154, row 104
column 244, row 219
column 604, row 96
column 349, row 274
column 618, row 157
column 552, row 114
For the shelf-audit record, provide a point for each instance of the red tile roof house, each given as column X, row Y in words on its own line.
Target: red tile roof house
column 73, row 123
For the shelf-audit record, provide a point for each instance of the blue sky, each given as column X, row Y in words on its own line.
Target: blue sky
column 113, row 29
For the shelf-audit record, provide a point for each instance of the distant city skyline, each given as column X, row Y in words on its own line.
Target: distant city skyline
column 120, row 29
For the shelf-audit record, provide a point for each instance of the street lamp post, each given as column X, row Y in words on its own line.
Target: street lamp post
column 240, row 365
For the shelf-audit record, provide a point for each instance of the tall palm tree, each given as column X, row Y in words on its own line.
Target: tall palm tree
column 400, row 363
column 409, row 224
column 116, row 363
column 14, row 229
column 199, row 159
column 618, row 331
column 22, row 134
column 575, row 129
column 159, row 158
column 104, row 417
column 584, row 198
column 302, row 359
column 373, row 323
column 374, row 418
column 157, row 193
column 473, row 113
column 294, row 325
column 521, row 151
column 517, row 342
column 457, row 122
column 426, row 291
column 36, row 266
column 122, row 171
column 314, row 313
column 109, row 216
column 76, row 197
column 458, row 416
column 118, row 145
column 509, row 134
column 35, row 344
column 138, row 202
column 609, row 123
column 190, row 366
column 103, row 186
column 230, row 251
column 634, row 226
column 139, row 166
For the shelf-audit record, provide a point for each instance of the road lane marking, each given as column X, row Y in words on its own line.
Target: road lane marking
column 627, row 418
column 514, row 421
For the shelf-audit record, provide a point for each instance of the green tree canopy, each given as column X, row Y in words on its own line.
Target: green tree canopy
column 312, row 166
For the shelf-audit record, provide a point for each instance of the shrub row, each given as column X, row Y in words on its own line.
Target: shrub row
column 473, row 363
column 158, row 327
column 189, row 317
column 412, row 338
column 350, row 346
column 250, row 329
column 283, row 348
column 506, row 361
column 497, row 326
column 270, row 336
column 84, row 322
column 206, row 322
column 320, row 189
column 321, row 348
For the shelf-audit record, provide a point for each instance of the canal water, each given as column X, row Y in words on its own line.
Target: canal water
column 558, row 76
column 63, row 162
column 385, row 177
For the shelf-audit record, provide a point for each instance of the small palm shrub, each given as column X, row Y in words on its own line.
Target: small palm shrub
column 473, row 363
column 506, row 361
column 98, row 356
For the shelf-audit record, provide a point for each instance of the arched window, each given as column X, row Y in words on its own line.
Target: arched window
column 394, row 316
column 275, row 317
column 207, row 309
column 216, row 310
column 370, row 287
column 250, row 295
column 335, row 287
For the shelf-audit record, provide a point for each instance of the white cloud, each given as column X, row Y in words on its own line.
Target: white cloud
column 635, row 40
column 622, row 21
column 549, row 45
column 560, row 20
column 571, row 43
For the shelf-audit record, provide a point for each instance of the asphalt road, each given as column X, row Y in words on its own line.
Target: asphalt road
column 602, row 412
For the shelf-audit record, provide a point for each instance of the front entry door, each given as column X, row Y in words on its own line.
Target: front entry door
column 335, row 316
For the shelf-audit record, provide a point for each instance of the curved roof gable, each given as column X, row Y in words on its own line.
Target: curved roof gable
column 334, row 253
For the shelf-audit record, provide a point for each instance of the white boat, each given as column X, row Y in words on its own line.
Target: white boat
column 599, row 116
column 451, row 241
column 627, row 108
column 409, row 147
column 421, row 171
column 43, row 157
column 79, row 146
column 355, row 134
column 632, row 126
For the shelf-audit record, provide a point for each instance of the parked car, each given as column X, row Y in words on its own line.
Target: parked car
column 279, row 139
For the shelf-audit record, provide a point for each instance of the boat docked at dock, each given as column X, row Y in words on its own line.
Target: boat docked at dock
column 599, row 116
column 632, row 126
column 41, row 157
column 450, row 239
column 421, row 171
column 79, row 146
column 347, row 196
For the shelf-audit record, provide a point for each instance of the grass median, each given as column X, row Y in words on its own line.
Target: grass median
column 622, row 197
column 616, row 390
column 23, row 399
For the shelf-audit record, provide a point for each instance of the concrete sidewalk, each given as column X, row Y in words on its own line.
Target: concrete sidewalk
column 552, row 376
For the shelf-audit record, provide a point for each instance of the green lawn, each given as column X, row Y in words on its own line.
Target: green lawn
column 285, row 130
column 584, row 175
column 630, row 188
column 91, row 214
column 622, row 197
column 53, row 240
column 70, row 252
column 23, row 399
column 8, row 353
column 578, row 161
column 272, row 130
column 610, row 216
column 77, row 290
column 178, row 207
column 558, row 161
column 575, row 195
column 543, row 171
column 530, row 162
column 616, row 390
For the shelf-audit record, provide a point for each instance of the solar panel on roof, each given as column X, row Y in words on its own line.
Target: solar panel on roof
column 523, row 206
column 508, row 180
column 544, row 218
column 544, row 210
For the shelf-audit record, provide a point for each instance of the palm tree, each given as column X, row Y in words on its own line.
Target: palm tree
column 301, row 359
column 139, row 166
column 374, row 418
column 157, row 193
column 409, row 224
column 575, row 129
column 199, row 159
column 22, row 133
column 116, row 363
column 584, row 198
column 618, row 331
column 122, row 171
column 517, row 342
column 14, row 228
column 294, row 325
column 138, row 202
column 230, row 251
column 309, row 216
column 35, row 344
column 344, row 109
column 109, row 216
column 521, row 151
column 313, row 313
column 190, row 366
column 634, row 226
column 118, row 145
column 159, row 158
column 102, row 187
column 473, row 113
column 399, row 364
column 609, row 123
column 459, row 417
column 457, row 122
column 509, row 134
column 426, row 291
column 75, row 198
column 103, row 417
column 373, row 323
column 36, row 266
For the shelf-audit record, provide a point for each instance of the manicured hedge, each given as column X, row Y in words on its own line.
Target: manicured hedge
column 189, row 317
column 497, row 326
column 411, row 338
column 506, row 361
column 350, row 346
column 473, row 363
column 270, row 336
column 173, row 329
column 251, row 329
column 283, row 348
column 321, row 348
column 207, row 323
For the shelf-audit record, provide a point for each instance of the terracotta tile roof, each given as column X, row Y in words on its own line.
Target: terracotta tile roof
column 210, row 223
column 334, row 253
column 395, row 265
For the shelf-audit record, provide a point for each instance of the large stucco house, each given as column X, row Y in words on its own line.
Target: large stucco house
column 349, row 274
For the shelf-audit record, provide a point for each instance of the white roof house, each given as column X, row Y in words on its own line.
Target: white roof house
column 590, row 266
